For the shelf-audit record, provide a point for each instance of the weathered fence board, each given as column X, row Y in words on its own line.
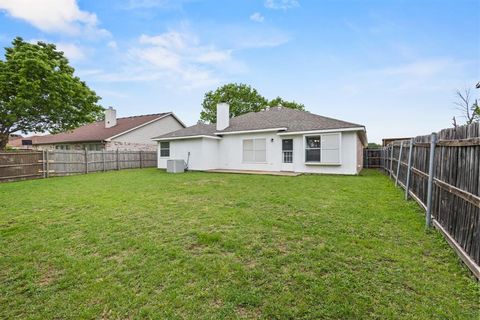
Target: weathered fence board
column 455, row 184
column 372, row 158
column 21, row 165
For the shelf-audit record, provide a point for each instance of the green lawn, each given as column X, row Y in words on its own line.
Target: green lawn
column 146, row 244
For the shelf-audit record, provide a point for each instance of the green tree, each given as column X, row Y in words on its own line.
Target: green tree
column 374, row 145
column 279, row 102
column 242, row 99
column 39, row 92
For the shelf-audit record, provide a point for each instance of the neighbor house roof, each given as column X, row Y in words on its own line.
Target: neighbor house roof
column 286, row 119
column 97, row 132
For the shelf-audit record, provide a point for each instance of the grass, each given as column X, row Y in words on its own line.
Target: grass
column 146, row 244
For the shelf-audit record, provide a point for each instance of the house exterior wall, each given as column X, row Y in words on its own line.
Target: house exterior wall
column 129, row 146
column 203, row 153
column 227, row 153
column 359, row 154
column 144, row 135
column 72, row 145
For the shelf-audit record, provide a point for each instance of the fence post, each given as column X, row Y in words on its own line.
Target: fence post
column 365, row 152
column 118, row 167
column 103, row 159
column 431, row 173
column 391, row 160
column 47, row 165
column 86, row 161
column 398, row 164
column 43, row 164
column 141, row 166
column 409, row 169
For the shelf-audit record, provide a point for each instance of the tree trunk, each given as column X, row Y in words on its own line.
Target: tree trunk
column 3, row 140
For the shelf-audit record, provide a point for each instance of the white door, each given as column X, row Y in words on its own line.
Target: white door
column 287, row 155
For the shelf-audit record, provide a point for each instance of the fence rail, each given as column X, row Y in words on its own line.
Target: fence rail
column 44, row 164
column 442, row 173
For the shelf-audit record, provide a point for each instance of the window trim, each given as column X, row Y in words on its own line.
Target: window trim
column 283, row 151
column 320, row 163
column 160, row 149
column 243, row 151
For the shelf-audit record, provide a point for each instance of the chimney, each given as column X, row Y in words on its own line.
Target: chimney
column 223, row 116
column 110, row 117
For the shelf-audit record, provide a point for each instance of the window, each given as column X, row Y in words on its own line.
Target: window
column 62, row 146
column 254, row 150
column 93, row 147
column 164, row 149
column 323, row 148
column 312, row 149
column 287, row 150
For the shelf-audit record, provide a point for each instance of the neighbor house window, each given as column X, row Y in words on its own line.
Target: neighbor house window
column 164, row 149
column 254, row 150
column 62, row 146
column 324, row 148
column 93, row 147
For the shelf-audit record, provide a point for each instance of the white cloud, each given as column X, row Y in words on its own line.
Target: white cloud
column 257, row 17
column 281, row 4
column 182, row 56
column 62, row 16
column 175, row 59
column 71, row 50
column 112, row 44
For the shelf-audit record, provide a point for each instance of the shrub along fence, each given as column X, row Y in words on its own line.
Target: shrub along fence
column 441, row 172
column 32, row 164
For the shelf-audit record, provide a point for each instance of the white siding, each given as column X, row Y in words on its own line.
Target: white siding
column 227, row 153
column 145, row 134
column 203, row 153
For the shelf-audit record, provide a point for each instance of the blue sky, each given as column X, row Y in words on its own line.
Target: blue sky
column 393, row 66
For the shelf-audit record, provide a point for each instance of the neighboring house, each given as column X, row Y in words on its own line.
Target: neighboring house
column 15, row 141
column 276, row 139
column 130, row 133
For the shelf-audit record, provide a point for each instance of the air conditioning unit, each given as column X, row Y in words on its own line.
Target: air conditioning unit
column 175, row 166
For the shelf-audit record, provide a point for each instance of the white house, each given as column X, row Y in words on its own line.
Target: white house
column 276, row 139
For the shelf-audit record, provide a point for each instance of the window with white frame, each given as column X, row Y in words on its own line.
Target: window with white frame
column 164, row 149
column 62, row 146
column 323, row 148
column 254, row 150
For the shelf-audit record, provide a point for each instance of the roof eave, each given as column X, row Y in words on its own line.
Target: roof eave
column 198, row 136
column 287, row 133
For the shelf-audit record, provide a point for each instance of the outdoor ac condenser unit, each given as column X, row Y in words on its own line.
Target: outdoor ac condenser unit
column 175, row 166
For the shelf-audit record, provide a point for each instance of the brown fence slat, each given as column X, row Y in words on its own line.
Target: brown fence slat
column 455, row 199
column 20, row 165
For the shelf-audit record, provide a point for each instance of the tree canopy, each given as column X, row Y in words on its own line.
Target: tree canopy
column 242, row 99
column 39, row 92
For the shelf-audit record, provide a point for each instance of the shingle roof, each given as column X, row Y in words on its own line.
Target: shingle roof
column 293, row 120
column 96, row 131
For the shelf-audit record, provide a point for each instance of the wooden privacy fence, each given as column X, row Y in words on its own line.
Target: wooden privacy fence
column 372, row 157
column 441, row 172
column 43, row 164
